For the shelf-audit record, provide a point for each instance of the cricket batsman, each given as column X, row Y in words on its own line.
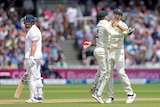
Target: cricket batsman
column 33, row 58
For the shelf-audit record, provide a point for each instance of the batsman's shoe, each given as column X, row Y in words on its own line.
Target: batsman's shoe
column 34, row 100
column 39, row 99
column 98, row 98
column 31, row 101
column 110, row 100
column 130, row 98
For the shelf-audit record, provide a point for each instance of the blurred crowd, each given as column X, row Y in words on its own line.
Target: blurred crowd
column 141, row 48
column 12, row 34
column 60, row 24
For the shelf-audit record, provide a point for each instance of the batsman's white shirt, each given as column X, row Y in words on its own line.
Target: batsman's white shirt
column 33, row 34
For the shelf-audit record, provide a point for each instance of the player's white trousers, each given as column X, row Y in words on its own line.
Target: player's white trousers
column 100, row 55
column 95, row 81
column 110, row 86
column 116, row 57
column 34, row 79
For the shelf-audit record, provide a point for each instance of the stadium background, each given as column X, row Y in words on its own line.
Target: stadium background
column 65, row 25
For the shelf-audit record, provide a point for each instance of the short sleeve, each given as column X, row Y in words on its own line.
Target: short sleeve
column 34, row 34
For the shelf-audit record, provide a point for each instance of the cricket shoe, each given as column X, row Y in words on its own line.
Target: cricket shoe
column 98, row 98
column 34, row 100
column 110, row 100
column 130, row 98
column 39, row 99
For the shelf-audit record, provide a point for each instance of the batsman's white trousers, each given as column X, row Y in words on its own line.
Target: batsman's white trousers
column 116, row 57
column 34, row 79
column 100, row 55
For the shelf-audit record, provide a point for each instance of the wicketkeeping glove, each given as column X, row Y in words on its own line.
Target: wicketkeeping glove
column 31, row 62
column 128, row 32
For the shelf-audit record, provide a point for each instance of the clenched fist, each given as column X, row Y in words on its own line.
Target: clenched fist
column 86, row 44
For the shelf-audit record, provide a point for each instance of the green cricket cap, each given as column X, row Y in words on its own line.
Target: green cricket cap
column 102, row 14
column 118, row 11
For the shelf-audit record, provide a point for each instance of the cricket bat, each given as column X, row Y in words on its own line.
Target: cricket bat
column 19, row 87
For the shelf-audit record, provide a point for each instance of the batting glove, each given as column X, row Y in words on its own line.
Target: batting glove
column 31, row 62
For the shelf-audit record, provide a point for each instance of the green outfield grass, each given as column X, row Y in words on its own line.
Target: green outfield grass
column 78, row 96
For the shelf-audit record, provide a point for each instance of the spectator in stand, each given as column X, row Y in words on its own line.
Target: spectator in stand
column 62, row 63
column 61, row 59
column 129, row 60
column 28, row 6
column 147, row 45
column 1, row 60
column 72, row 14
column 154, row 59
column 54, row 51
column 45, row 22
column 9, row 65
column 90, row 29
column 58, row 20
column 15, row 59
column 90, row 9
column 4, row 59
column 79, row 34
column 87, row 56
column 142, row 15
column 46, row 71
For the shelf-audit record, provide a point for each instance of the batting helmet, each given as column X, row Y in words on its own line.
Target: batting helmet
column 29, row 18
column 118, row 11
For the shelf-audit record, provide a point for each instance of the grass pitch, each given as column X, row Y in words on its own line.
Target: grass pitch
column 78, row 96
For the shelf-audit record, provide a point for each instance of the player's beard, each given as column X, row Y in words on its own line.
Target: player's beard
column 28, row 27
